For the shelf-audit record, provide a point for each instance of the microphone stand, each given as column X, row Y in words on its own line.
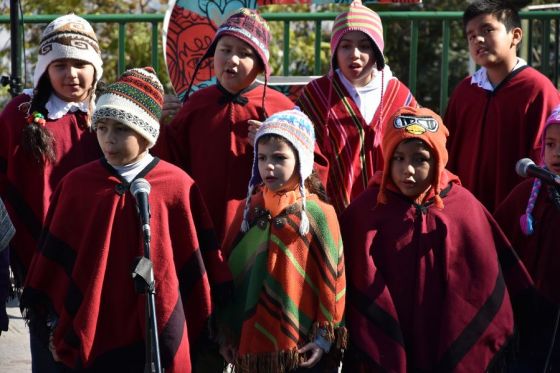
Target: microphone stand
column 144, row 282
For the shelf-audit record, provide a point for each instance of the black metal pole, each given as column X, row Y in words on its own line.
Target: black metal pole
column 16, row 40
column 152, row 332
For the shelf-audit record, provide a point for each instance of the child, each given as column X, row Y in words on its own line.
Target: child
column 208, row 137
column 46, row 130
column 496, row 115
column 82, row 273
column 426, row 291
column 349, row 104
column 287, row 262
column 530, row 217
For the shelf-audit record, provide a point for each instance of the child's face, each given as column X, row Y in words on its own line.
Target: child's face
column 552, row 148
column 412, row 168
column 355, row 58
column 490, row 44
column 71, row 80
column 120, row 144
column 277, row 165
column 236, row 64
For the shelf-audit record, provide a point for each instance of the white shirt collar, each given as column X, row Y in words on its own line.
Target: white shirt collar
column 480, row 77
column 57, row 107
column 130, row 171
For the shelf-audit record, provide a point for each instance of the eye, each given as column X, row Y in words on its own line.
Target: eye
column 261, row 158
column 397, row 158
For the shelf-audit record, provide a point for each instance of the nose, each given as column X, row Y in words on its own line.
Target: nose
column 234, row 59
column 356, row 53
column 408, row 170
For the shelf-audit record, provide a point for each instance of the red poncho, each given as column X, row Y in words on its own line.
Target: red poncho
column 25, row 185
column 208, row 139
column 425, row 289
column 540, row 252
column 83, row 269
column 345, row 139
column 491, row 131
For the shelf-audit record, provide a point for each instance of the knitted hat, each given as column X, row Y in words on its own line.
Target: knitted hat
column 72, row 37
column 136, row 100
column 249, row 26
column 414, row 123
column 359, row 18
column 527, row 220
column 297, row 128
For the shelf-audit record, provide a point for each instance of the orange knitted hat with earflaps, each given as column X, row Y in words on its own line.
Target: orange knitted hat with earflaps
column 414, row 123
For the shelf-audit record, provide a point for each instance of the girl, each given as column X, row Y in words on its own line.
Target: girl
column 426, row 290
column 530, row 217
column 287, row 261
column 46, row 134
column 46, row 130
column 349, row 104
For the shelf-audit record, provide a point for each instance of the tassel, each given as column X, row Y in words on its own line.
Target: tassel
column 527, row 223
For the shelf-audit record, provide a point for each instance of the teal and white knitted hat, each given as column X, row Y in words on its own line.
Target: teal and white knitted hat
column 136, row 100
column 297, row 128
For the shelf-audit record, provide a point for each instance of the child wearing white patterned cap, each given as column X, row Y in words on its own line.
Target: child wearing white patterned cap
column 285, row 254
column 46, row 133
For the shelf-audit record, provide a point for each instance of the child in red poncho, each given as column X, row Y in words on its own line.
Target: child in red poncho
column 496, row 116
column 425, row 288
column 79, row 290
column 285, row 253
column 208, row 138
column 530, row 217
column 350, row 104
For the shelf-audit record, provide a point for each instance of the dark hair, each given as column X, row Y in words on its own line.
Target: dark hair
column 505, row 11
column 36, row 139
column 313, row 184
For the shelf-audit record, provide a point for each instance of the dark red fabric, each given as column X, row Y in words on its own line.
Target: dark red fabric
column 208, row 139
column 425, row 289
column 25, row 185
column 491, row 131
column 84, row 266
column 540, row 252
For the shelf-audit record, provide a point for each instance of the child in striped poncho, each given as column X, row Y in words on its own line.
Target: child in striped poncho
column 285, row 253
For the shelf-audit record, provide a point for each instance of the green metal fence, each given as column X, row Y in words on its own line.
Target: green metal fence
column 547, row 22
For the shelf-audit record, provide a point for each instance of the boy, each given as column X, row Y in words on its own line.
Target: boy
column 79, row 290
column 425, row 289
column 496, row 115
column 208, row 138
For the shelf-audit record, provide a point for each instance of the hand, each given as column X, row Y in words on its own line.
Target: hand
column 316, row 355
column 254, row 125
column 171, row 106
column 229, row 353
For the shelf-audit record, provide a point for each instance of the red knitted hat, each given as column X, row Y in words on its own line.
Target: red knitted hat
column 359, row 18
column 247, row 25
column 418, row 123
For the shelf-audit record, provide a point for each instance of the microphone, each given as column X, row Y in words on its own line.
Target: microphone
column 526, row 167
column 140, row 189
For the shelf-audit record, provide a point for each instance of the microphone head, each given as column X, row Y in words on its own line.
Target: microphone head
column 522, row 166
column 140, row 186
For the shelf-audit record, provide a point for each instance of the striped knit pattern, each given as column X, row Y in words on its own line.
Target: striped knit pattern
column 136, row 100
column 286, row 286
column 346, row 140
column 358, row 18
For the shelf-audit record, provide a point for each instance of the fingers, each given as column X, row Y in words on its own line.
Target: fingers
column 316, row 355
column 171, row 106
column 254, row 125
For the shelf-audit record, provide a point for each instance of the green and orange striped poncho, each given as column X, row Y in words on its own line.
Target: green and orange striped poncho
column 287, row 286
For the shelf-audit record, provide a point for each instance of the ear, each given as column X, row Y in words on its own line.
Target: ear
column 517, row 33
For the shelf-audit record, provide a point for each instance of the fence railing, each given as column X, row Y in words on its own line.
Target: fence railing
column 548, row 23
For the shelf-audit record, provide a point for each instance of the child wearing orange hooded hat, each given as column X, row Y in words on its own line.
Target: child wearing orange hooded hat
column 426, row 291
